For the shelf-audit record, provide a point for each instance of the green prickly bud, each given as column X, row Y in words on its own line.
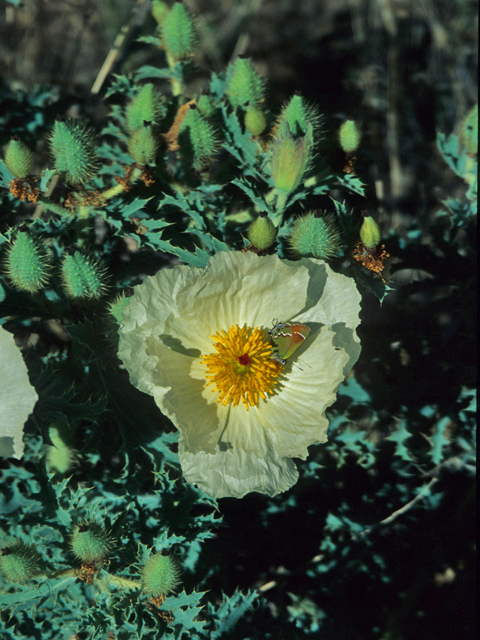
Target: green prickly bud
column 27, row 263
column 196, row 137
column 159, row 10
column 298, row 116
column 205, row 105
column 74, row 152
column 178, row 33
column 82, row 277
column 61, row 456
column 143, row 145
column 161, row 575
column 349, row 136
column 255, row 121
column 118, row 306
column 469, row 131
column 262, row 232
column 19, row 562
column 290, row 159
column 369, row 231
column 146, row 106
column 18, row 158
column 243, row 84
column 90, row 542
column 315, row 236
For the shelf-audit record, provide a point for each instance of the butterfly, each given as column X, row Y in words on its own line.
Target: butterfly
column 286, row 339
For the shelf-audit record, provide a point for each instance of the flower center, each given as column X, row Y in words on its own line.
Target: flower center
column 243, row 368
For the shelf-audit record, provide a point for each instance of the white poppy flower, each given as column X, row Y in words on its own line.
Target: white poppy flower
column 17, row 396
column 197, row 341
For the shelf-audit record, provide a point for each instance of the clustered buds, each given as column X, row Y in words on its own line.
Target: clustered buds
column 82, row 277
column 90, row 542
column 262, row 232
column 315, row 235
column 18, row 158
column 19, row 562
column 178, row 33
column 349, row 136
column 74, row 152
column 244, row 85
column 161, row 574
column 27, row 263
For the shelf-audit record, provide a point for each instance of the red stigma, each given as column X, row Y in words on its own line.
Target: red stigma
column 244, row 360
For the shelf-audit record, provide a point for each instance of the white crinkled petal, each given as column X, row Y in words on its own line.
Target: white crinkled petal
column 226, row 474
column 167, row 327
column 17, row 397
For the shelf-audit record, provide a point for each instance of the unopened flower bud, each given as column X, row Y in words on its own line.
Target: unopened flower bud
column 243, row 84
column 161, row 575
column 19, row 562
column 349, row 136
column 18, row 158
column 369, row 232
column 315, row 236
column 178, row 33
column 262, row 233
column 290, row 158
column 74, row 151
column 143, row 145
column 255, row 121
column 90, row 542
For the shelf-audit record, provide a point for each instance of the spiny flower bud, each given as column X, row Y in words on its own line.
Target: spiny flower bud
column 255, row 121
column 298, row 116
column 369, row 231
column 81, row 276
column 161, row 575
column 262, row 232
column 90, row 542
column 469, row 131
column 205, row 105
column 243, row 84
column 178, row 33
column 349, row 136
column 61, row 456
column 27, row 263
column 159, row 10
column 315, row 237
column 117, row 307
column 146, row 106
column 18, row 158
column 290, row 159
column 197, row 138
column 74, row 152
column 143, row 145
column 19, row 562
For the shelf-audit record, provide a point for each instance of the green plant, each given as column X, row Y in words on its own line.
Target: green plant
column 101, row 533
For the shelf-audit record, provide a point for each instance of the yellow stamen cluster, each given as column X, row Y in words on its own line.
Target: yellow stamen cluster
column 371, row 259
column 243, row 368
